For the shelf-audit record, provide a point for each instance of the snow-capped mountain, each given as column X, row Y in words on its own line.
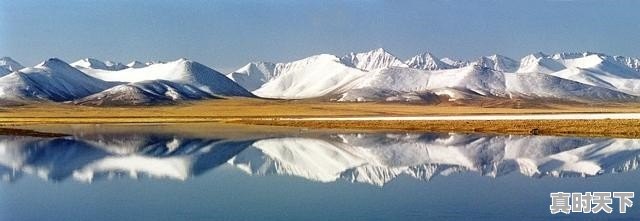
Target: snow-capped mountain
column 93, row 63
column 181, row 71
column 498, row 63
column 110, row 83
column 467, row 80
column 580, row 77
column 633, row 63
column 315, row 76
column 52, row 80
column 454, row 63
column 372, row 60
column 8, row 65
column 136, row 64
column 588, row 68
column 536, row 85
column 375, row 75
column 253, row 75
column 145, row 92
column 427, row 61
column 374, row 159
column 539, row 63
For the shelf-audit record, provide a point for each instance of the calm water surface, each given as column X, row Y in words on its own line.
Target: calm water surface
column 165, row 176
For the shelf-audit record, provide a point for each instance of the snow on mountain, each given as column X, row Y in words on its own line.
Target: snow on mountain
column 136, row 64
column 145, row 92
column 598, row 78
column 633, row 63
column 600, row 71
column 253, row 75
column 498, row 63
column 470, row 79
column 454, row 63
column 427, row 61
column 372, row 60
column 536, row 85
column 4, row 71
column 325, row 75
column 313, row 79
column 181, row 71
column 8, row 65
column 314, row 76
column 572, row 55
column 377, row 94
column 376, row 75
column 539, row 63
column 52, row 80
column 93, row 63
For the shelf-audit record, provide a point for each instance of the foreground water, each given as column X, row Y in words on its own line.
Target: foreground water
column 304, row 176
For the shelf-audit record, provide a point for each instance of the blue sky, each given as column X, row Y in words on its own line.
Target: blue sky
column 228, row 34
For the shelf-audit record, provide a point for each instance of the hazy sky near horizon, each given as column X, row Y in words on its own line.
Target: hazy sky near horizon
column 228, row 34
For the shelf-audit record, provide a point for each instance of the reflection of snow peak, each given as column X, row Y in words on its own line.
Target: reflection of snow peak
column 311, row 158
column 378, row 159
column 131, row 155
column 366, row 158
column 174, row 167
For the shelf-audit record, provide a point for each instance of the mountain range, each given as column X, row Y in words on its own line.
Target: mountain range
column 93, row 82
column 376, row 75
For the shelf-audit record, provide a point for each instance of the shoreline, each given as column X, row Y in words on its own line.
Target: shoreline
column 593, row 121
column 620, row 128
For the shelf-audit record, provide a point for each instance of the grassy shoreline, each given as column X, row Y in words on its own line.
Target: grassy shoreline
column 589, row 128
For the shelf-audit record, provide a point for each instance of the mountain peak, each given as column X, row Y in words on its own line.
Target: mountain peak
column 53, row 63
column 379, row 50
column 539, row 54
column 93, row 63
column 427, row 61
column 10, row 64
column 573, row 55
column 372, row 60
column 498, row 62
column 255, row 74
column 454, row 63
column 136, row 64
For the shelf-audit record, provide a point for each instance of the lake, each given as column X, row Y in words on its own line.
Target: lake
column 143, row 174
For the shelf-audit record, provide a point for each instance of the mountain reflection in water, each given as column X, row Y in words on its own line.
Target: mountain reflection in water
column 364, row 158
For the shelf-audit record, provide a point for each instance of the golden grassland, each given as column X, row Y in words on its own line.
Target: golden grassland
column 246, row 108
column 262, row 112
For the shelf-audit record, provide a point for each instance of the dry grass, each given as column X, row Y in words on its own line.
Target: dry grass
column 273, row 108
column 247, row 111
